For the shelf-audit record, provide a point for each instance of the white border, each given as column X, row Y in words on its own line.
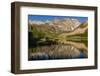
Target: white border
column 25, row 64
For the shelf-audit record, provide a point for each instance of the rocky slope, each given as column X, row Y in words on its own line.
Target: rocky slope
column 62, row 25
column 57, row 30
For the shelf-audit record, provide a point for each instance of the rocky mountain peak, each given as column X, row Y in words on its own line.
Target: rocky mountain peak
column 66, row 24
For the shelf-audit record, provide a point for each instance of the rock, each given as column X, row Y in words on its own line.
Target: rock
column 63, row 25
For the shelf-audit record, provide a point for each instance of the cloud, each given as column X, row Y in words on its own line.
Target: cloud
column 36, row 22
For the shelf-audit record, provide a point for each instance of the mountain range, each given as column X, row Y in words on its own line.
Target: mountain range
column 64, row 25
column 57, row 29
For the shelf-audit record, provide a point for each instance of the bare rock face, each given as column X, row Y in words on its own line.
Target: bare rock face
column 63, row 25
column 66, row 24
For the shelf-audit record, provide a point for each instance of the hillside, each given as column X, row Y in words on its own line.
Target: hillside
column 57, row 31
column 59, row 25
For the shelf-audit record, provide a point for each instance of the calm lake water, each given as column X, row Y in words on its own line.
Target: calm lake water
column 57, row 51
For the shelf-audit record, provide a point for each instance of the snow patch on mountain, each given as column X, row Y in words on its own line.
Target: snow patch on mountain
column 66, row 24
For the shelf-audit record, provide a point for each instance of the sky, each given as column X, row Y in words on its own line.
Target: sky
column 50, row 17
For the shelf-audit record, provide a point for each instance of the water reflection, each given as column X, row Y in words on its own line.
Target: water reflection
column 70, row 50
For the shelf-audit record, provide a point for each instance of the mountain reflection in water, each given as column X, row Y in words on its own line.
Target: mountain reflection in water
column 71, row 50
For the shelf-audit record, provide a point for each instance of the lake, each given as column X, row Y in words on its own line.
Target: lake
column 70, row 50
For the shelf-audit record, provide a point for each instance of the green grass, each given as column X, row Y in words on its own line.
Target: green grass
column 83, row 38
column 83, row 25
column 50, row 36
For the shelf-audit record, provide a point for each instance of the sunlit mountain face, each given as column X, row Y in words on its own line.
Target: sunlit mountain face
column 66, row 24
column 57, row 37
